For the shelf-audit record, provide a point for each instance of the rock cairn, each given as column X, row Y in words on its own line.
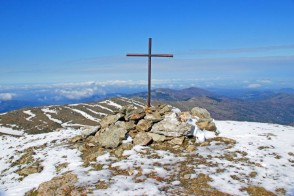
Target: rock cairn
column 162, row 123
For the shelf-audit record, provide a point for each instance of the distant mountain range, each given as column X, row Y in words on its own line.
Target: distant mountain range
column 257, row 106
column 266, row 106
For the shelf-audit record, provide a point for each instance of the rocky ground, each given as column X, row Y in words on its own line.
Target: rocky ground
column 154, row 151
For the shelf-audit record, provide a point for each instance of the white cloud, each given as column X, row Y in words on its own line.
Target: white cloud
column 254, row 85
column 79, row 93
column 265, row 81
column 6, row 96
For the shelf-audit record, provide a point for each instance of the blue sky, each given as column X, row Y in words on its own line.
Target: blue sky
column 216, row 43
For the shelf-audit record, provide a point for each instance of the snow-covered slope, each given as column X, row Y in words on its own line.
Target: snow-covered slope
column 262, row 156
column 49, row 118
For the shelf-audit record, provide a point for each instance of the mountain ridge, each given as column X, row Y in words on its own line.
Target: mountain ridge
column 267, row 107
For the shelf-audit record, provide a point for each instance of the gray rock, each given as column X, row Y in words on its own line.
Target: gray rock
column 191, row 148
column 184, row 116
column 76, row 139
column 127, row 109
column 34, row 168
column 144, row 125
column 58, row 185
column 164, row 109
column 111, row 137
column 136, row 114
column 89, row 130
column 187, row 176
column 206, row 123
column 200, row 112
column 142, row 139
column 171, row 127
column 130, row 125
column 177, row 141
column 120, row 150
column 110, row 119
column 157, row 137
column 153, row 117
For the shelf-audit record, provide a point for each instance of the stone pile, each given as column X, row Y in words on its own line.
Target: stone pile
column 141, row 126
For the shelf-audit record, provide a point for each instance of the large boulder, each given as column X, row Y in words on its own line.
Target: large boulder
column 61, row 185
column 111, row 137
column 171, row 127
column 206, row 124
column 200, row 112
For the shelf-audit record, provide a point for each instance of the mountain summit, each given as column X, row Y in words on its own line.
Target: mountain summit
column 137, row 151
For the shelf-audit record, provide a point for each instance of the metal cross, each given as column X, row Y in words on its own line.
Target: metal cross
column 149, row 55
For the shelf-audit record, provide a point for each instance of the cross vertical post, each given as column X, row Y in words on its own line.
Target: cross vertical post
column 149, row 55
column 149, row 73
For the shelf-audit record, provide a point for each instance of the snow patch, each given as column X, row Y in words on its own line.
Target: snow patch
column 111, row 103
column 31, row 115
column 84, row 114
column 7, row 130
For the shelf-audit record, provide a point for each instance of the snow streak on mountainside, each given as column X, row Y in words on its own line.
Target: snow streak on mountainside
column 257, row 155
column 48, row 118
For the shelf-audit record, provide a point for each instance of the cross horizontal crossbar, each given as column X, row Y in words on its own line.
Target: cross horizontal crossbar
column 152, row 55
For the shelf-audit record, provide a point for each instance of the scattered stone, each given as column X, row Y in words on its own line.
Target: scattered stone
column 102, row 185
column 223, row 139
column 90, row 144
column 187, row 176
column 157, row 137
column 76, row 139
column 34, row 168
column 190, row 148
column 258, row 191
column 91, row 154
column 253, row 174
column 280, row 191
column 27, row 158
column 177, row 141
column 120, row 150
column 61, row 185
column 142, row 138
column 60, row 166
column 144, row 125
